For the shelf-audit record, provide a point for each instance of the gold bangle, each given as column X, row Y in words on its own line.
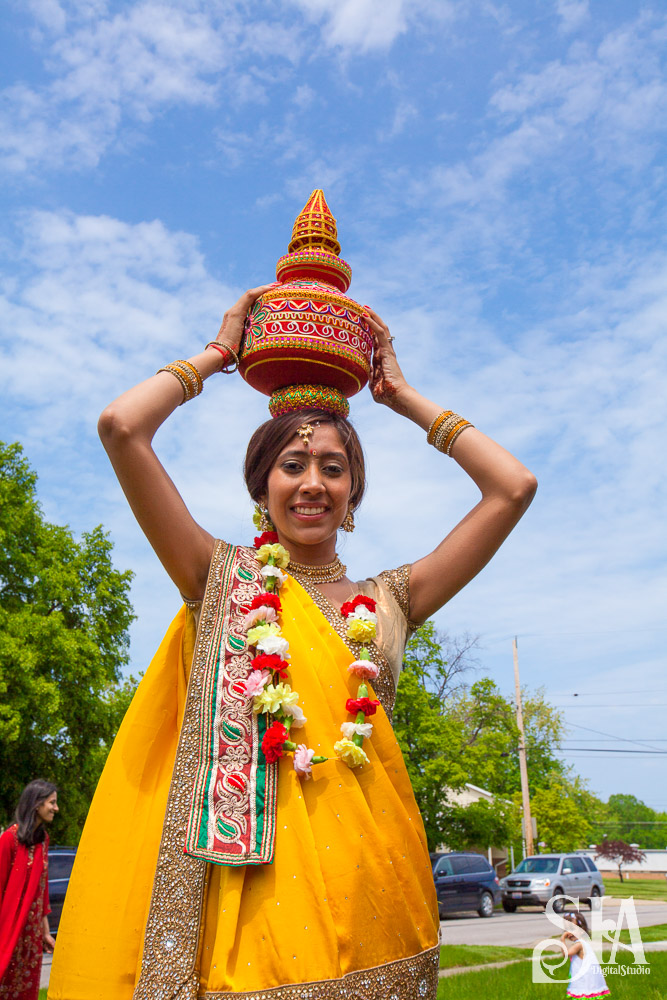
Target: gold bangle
column 195, row 372
column 446, row 444
column 455, row 435
column 448, row 430
column 435, row 424
column 189, row 378
column 229, row 350
column 444, row 430
column 185, row 385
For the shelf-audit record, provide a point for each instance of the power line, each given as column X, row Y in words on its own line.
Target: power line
column 621, row 739
column 625, row 750
column 592, row 694
column 660, row 704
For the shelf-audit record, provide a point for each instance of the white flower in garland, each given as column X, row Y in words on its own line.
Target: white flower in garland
column 296, row 712
column 274, row 573
column 350, row 729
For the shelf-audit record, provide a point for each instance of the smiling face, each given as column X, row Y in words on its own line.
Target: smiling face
column 47, row 808
column 308, row 492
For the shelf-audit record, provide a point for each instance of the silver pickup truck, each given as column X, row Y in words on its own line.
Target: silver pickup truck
column 539, row 878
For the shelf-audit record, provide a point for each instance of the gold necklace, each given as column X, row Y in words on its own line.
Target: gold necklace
column 329, row 573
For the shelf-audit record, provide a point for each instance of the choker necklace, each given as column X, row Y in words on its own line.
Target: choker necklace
column 329, row 573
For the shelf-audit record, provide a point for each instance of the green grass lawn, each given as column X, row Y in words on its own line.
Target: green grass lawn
column 656, row 933
column 514, row 983
column 640, row 888
column 457, row 955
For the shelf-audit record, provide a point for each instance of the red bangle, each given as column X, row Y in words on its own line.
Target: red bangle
column 227, row 352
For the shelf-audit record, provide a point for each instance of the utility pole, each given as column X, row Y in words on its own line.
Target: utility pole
column 523, row 767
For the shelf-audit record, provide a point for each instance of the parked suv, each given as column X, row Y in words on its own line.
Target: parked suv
column 61, row 860
column 539, row 878
column 465, row 881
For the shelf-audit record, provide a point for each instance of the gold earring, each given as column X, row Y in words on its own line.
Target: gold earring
column 261, row 518
column 348, row 521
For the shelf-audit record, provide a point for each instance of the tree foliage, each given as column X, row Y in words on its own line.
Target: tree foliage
column 64, row 618
column 629, row 819
column 452, row 733
column 562, row 811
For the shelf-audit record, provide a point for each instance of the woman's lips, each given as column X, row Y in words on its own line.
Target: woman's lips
column 309, row 511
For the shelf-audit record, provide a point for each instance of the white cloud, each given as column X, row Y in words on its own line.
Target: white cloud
column 368, row 25
column 111, row 70
column 573, row 13
column 585, row 108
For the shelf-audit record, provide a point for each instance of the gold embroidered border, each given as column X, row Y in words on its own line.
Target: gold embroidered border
column 171, row 939
column 413, row 978
column 383, row 685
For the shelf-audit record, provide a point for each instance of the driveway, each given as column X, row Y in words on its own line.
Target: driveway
column 525, row 928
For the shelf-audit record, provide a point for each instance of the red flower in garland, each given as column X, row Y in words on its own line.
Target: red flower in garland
column 271, row 661
column 266, row 600
column 266, row 538
column 273, row 740
column 349, row 606
column 366, row 705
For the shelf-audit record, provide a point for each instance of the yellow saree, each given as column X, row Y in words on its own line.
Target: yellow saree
column 347, row 908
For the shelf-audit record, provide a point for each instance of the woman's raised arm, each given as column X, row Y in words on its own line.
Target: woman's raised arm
column 507, row 488
column 127, row 427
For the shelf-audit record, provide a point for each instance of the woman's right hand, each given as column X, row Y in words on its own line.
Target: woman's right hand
column 233, row 322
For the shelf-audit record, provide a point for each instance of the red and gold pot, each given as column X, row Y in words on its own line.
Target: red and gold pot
column 306, row 343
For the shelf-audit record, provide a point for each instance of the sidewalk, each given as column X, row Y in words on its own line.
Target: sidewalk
column 46, row 971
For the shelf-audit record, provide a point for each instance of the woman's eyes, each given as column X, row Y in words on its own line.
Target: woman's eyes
column 295, row 468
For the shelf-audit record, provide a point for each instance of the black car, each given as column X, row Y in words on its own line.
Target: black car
column 465, row 881
column 61, row 860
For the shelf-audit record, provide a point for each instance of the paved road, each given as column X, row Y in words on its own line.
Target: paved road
column 525, row 928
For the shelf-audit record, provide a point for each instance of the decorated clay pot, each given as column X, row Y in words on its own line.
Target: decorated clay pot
column 306, row 342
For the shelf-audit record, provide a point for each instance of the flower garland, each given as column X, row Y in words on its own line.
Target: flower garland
column 268, row 683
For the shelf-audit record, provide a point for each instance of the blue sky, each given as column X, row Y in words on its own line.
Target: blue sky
column 497, row 171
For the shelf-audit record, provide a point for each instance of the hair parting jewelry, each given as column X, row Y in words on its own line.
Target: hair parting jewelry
column 445, row 429
column 305, row 430
column 329, row 573
column 225, row 350
column 190, row 379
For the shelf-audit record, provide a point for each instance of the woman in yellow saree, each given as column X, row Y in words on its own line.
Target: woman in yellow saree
column 205, row 869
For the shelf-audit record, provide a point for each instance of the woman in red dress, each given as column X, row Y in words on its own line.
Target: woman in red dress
column 24, row 892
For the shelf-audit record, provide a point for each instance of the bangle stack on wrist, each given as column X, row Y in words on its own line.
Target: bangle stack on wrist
column 227, row 352
column 190, row 379
column 445, row 429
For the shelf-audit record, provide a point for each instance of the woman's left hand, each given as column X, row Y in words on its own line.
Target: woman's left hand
column 387, row 381
column 48, row 942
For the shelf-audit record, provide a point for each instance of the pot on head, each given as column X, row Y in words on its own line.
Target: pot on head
column 306, row 343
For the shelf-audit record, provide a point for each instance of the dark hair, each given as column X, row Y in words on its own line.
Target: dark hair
column 32, row 796
column 269, row 440
column 577, row 918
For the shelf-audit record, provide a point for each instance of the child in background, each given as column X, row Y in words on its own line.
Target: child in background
column 586, row 979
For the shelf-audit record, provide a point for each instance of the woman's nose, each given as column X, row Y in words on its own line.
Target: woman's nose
column 312, row 477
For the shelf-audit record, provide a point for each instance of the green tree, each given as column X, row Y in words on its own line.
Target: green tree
column 482, row 824
column 631, row 820
column 451, row 733
column 428, row 736
column 64, row 618
column 562, row 812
